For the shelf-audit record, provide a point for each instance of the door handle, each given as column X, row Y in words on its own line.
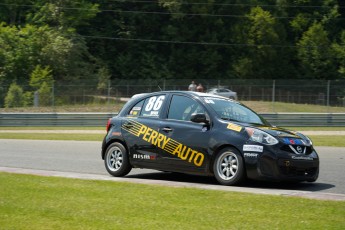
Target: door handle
column 128, row 125
column 167, row 129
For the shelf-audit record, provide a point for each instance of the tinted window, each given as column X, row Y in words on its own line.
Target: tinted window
column 182, row 108
column 135, row 111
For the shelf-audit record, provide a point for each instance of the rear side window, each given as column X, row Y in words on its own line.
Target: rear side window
column 149, row 107
column 135, row 111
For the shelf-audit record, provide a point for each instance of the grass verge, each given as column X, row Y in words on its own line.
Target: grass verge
column 341, row 128
column 258, row 106
column 334, row 141
column 33, row 202
column 282, row 107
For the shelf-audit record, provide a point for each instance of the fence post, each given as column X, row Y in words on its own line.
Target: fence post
column 108, row 96
column 328, row 92
column 53, row 94
column 273, row 94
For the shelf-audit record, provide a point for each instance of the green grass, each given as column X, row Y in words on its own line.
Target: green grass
column 334, row 141
column 281, row 107
column 316, row 128
column 33, row 202
column 258, row 106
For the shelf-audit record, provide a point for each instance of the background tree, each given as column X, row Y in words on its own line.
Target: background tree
column 339, row 51
column 264, row 41
column 41, row 75
column 14, row 97
column 170, row 39
column 45, row 94
column 315, row 53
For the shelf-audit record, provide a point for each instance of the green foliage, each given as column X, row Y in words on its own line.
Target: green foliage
column 45, row 94
column 63, row 14
column 14, row 97
column 103, row 79
column 28, row 99
column 41, row 75
column 261, row 30
column 339, row 50
column 315, row 53
column 169, row 39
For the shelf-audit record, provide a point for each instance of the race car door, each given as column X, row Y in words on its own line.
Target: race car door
column 138, row 129
column 188, row 142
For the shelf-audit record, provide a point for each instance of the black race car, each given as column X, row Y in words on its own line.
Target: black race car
column 205, row 134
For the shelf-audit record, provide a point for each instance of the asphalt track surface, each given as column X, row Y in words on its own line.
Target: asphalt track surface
column 81, row 159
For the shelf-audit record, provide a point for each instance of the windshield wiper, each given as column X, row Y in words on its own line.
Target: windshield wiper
column 228, row 119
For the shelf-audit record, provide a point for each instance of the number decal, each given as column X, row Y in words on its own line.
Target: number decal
column 150, row 104
column 154, row 103
column 158, row 103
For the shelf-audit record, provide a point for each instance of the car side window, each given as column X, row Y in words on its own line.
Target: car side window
column 135, row 111
column 182, row 108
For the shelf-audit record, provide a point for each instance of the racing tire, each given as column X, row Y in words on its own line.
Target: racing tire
column 228, row 167
column 116, row 160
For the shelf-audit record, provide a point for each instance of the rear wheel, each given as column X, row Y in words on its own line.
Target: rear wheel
column 116, row 160
column 228, row 167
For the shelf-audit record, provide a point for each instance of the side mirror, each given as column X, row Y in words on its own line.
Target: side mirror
column 199, row 118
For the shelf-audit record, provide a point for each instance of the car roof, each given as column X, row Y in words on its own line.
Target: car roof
column 192, row 93
column 219, row 88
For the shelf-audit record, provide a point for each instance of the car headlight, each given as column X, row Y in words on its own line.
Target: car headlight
column 261, row 136
column 310, row 141
column 306, row 137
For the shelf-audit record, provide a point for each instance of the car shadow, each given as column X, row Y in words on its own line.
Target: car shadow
column 180, row 177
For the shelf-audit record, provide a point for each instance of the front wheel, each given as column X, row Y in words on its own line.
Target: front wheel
column 228, row 167
column 116, row 160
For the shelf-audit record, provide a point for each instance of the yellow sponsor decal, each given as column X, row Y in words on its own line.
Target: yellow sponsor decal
column 166, row 143
column 234, row 127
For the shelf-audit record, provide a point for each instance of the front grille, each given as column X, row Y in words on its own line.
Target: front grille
column 287, row 148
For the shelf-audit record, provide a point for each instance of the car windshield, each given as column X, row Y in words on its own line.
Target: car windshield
column 234, row 111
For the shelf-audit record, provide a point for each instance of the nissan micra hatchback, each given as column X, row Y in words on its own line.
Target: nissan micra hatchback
column 204, row 134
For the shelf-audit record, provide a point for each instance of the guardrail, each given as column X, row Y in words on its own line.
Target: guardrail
column 100, row 119
column 305, row 119
column 55, row 119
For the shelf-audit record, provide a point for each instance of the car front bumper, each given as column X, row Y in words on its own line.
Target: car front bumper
column 283, row 166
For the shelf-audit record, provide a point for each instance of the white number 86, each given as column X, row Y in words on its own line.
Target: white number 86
column 154, row 103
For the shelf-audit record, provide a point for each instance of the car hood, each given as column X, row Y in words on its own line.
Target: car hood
column 280, row 132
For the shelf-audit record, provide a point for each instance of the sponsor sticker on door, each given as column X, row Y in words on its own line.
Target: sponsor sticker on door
column 253, row 148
